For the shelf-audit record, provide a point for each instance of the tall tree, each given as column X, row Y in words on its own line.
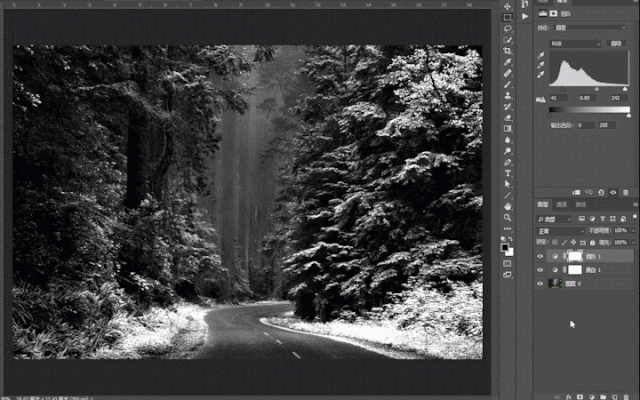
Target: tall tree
column 391, row 144
column 110, row 148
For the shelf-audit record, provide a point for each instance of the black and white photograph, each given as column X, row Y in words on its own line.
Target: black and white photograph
column 247, row 202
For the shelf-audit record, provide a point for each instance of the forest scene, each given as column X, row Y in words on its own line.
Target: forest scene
column 161, row 193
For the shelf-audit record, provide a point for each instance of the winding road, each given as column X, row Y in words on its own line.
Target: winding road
column 237, row 333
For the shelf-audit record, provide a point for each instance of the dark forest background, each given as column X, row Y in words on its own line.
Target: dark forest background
column 346, row 179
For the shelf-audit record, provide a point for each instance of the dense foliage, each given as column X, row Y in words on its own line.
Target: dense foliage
column 385, row 179
column 109, row 153
column 380, row 194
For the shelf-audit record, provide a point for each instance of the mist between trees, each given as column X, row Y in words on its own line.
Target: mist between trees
column 343, row 178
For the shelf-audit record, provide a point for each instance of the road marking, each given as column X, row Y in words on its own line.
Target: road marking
column 340, row 339
column 266, row 333
column 279, row 342
column 294, row 353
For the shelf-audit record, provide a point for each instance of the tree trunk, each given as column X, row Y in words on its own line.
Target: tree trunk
column 228, row 154
column 159, row 177
column 136, row 179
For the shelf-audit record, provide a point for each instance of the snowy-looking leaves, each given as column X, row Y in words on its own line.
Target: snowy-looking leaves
column 391, row 137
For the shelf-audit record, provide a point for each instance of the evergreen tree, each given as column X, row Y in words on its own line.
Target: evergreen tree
column 109, row 157
column 386, row 176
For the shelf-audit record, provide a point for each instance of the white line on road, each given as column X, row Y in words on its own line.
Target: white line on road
column 279, row 342
column 295, row 354
column 345, row 340
column 266, row 333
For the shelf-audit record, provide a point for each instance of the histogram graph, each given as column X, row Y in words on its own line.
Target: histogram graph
column 589, row 68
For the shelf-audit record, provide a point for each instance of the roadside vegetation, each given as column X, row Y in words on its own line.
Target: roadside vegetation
column 419, row 320
column 157, row 332
column 174, row 333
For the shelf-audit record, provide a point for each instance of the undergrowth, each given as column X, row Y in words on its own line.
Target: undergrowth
column 61, row 322
column 156, row 334
column 419, row 319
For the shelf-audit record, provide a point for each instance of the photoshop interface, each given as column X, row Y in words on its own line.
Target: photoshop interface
column 536, row 104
